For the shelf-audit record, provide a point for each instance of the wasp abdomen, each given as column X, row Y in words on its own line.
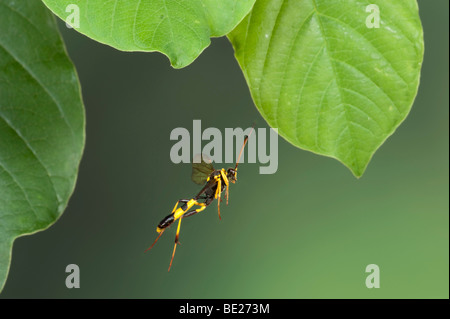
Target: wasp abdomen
column 165, row 222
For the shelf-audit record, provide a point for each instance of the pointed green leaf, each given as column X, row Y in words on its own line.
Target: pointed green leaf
column 330, row 83
column 181, row 29
column 41, row 123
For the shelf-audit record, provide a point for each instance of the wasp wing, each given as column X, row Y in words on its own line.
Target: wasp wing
column 202, row 169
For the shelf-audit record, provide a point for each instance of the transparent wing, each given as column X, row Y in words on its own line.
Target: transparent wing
column 201, row 170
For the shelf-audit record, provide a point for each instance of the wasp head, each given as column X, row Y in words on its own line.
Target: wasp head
column 232, row 175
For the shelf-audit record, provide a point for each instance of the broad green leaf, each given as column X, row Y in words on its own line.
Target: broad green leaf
column 181, row 29
column 328, row 82
column 41, row 123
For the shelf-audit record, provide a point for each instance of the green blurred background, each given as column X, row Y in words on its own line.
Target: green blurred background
column 307, row 231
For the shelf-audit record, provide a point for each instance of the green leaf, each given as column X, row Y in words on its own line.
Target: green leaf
column 41, row 123
column 181, row 29
column 330, row 84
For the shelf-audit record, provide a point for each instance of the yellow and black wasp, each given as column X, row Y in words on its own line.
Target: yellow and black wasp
column 215, row 182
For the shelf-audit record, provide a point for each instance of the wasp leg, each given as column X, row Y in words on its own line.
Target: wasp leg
column 176, row 242
column 195, row 211
column 167, row 221
column 227, row 184
column 190, row 213
column 184, row 201
column 217, row 195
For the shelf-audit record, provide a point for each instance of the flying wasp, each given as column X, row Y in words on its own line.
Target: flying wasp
column 215, row 182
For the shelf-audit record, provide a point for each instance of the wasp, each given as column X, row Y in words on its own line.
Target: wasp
column 215, row 182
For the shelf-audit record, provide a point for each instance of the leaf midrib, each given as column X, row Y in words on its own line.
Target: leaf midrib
column 336, row 78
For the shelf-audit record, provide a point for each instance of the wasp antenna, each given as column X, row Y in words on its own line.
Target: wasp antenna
column 154, row 241
column 242, row 149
